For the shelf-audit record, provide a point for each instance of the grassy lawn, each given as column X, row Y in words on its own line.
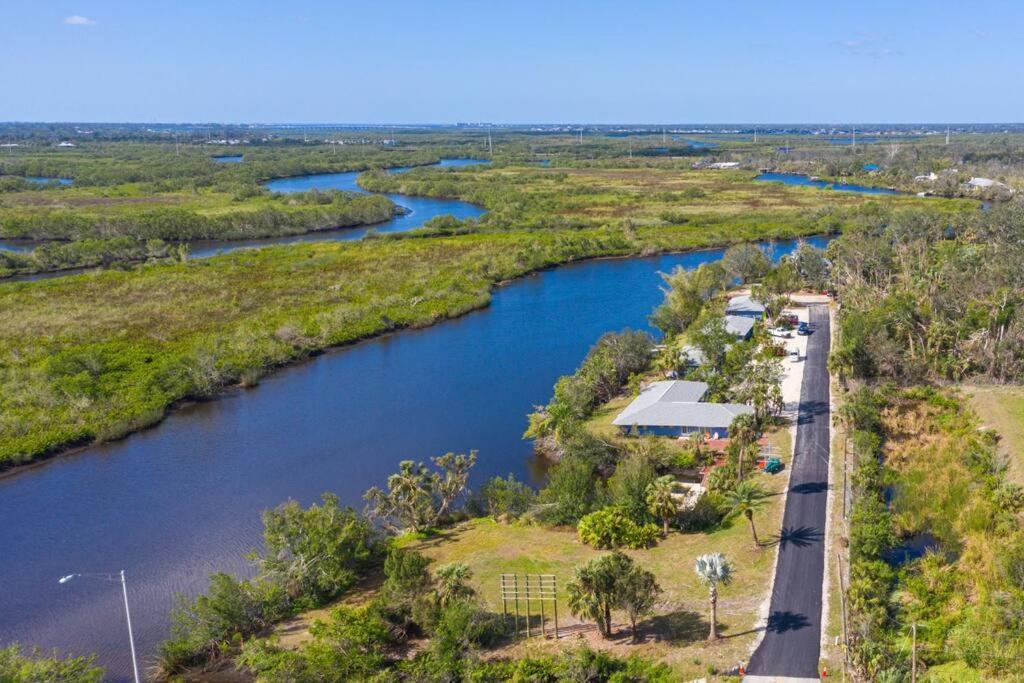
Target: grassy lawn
column 676, row 633
column 1002, row 408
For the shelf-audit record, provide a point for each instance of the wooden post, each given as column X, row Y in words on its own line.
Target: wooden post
column 528, row 634
column 543, row 629
column 515, row 583
column 554, row 592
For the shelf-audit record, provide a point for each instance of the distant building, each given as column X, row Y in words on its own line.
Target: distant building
column 931, row 177
column 724, row 164
column 739, row 326
column 745, row 305
column 65, row 144
column 984, row 183
column 675, row 408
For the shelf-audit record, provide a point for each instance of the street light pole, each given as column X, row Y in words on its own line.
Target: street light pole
column 127, row 612
column 128, row 618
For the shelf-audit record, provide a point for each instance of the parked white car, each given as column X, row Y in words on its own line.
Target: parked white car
column 794, row 355
column 780, row 332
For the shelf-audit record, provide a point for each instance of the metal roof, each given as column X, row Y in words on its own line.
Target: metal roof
column 744, row 303
column 677, row 404
column 739, row 325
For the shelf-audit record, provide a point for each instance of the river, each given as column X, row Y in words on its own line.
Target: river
column 417, row 211
column 178, row 501
column 801, row 179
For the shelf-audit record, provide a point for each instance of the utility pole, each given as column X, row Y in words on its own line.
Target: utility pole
column 947, row 135
column 581, row 137
column 176, row 152
column 755, row 135
column 490, row 147
column 663, row 134
column 854, row 138
column 630, row 147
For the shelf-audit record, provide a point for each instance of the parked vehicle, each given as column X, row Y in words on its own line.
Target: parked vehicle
column 789, row 319
column 804, row 329
column 794, row 355
column 779, row 332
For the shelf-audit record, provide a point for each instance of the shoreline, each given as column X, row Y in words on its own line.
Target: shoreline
column 8, row 471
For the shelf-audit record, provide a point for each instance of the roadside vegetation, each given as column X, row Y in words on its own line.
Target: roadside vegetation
column 934, row 532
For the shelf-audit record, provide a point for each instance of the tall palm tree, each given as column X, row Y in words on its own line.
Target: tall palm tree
column 660, row 501
column 713, row 570
column 746, row 497
column 743, row 432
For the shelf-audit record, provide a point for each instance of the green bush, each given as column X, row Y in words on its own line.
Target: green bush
column 502, row 498
column 35, row 668
column 572, row 492
column 707, row 513
column 612, row 527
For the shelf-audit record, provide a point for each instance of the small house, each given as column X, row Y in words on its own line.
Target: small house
column 675, row 408
column 739, row 326
column 745, row 305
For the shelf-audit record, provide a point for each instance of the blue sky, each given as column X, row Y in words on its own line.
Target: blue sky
column 437, row 61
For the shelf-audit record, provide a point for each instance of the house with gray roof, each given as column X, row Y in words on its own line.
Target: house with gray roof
column 676, row 408
column 745, row 305
column 739, row 326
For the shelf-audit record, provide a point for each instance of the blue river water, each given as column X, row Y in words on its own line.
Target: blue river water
column 418, row 210
column 800, row 179
column 229, row 158
column 173, row 503
column 40, row 180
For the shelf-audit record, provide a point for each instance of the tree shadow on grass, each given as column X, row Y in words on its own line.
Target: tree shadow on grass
column 680, row 627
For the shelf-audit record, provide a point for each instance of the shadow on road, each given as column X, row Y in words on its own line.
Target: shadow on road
column 800, row 537
column 780, row 622
column 811, row 409
column 810, row 487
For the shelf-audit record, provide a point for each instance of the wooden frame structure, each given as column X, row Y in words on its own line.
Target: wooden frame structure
column 529, row 588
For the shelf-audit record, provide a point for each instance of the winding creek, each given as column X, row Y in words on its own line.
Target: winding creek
column 418, row 210
column 176, row 502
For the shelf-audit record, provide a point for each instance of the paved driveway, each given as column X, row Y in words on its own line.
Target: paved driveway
column 791, row 644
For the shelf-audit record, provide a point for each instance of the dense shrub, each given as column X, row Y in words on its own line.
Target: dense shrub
column 35, row 667
column 503, row 498
column 572, row 492
column 612, row 527
column 707, row 513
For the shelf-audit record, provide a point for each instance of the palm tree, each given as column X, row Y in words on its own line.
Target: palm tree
column 713, row 570
column 452, row 583
column 743, row 432
column 586, row 598
column 746, row 497
column 660, row 501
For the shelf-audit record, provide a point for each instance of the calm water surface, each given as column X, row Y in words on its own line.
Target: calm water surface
column 419, row 210
column 176, row 502
column 800, row 179
column 229, row 158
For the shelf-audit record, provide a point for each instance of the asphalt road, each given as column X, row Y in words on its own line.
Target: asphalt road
column 791, row 644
